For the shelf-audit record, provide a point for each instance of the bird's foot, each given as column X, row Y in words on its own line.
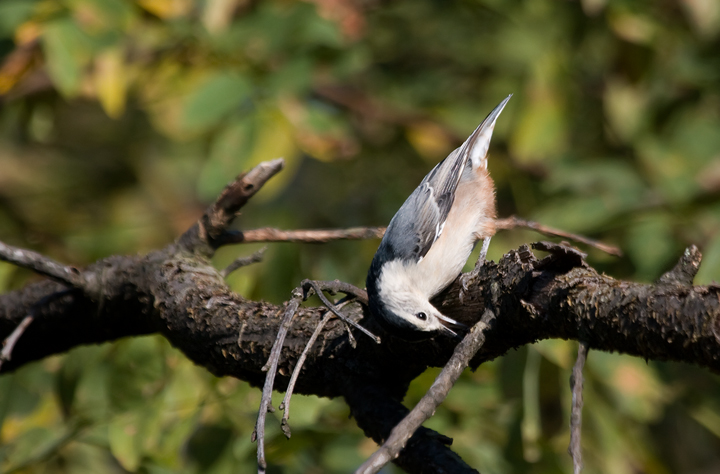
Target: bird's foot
column 467, row 278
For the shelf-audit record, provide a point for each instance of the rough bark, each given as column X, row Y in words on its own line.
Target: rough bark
column 177, row 293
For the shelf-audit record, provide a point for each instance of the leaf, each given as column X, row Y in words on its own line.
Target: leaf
column 429, row 140
column 167, row 9
column 13, row 13
column 704, row 16
column 111, row 81
column 710, row 267
column 625, row 107
column 136, row 372
column 246, row 143
column 214, row 99
column 228, row 153
column 67, row 53
column 124, row 440
column 633, row 384
column 650, row 246
column 207, row 444
column 541, row 132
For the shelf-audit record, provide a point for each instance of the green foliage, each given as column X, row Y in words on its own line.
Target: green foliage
column 122, row 119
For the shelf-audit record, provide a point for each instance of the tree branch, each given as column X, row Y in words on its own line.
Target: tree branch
column 514, row 221
column 269, row 234
column 43, row 265
column 208, row 233
column 402, row 432
column 314, row 236
column 177, row 293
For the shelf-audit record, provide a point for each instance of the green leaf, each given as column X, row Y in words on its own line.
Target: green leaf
column 541, row 133
column 125, row 443
column 67, row 53
column 634, row 385
column 710, row 267
column 207, row 444
column 228, row 153
column 13, row 13
column 214, row 99
column 650, row 246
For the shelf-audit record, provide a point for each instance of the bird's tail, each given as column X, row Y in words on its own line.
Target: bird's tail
column 477, row 144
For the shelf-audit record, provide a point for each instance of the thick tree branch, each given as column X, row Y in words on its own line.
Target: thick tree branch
column 177, row 293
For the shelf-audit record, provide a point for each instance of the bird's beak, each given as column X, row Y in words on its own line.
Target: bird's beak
column 447, row 323
column 478, row 143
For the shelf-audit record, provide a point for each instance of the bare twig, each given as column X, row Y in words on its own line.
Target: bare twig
column 43, row 265
column 468, row 347
column 514, row 221
column 269, row 234
column 576, row 383
column 285, row 405
column 271, row 368
column 334, row 286
column 11, row 340
column 206, row 235
column 244, row 262
column 315, row 236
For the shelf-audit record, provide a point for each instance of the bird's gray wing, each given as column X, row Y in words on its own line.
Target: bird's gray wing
column 420, row 220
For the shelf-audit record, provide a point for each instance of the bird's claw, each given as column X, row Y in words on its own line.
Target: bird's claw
column 465, row 280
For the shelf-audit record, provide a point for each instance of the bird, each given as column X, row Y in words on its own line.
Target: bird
column 430, row 238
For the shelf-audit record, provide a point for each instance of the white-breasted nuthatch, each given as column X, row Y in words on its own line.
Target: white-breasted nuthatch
column 431, row 237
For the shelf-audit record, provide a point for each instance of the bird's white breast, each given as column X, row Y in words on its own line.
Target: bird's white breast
column 470, row 219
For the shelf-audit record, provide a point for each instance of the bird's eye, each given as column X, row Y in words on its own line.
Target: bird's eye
column 421, row 316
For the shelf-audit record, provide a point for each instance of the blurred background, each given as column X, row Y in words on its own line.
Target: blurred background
column 121, row 120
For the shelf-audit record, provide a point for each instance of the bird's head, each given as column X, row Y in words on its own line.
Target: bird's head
column 411, row 316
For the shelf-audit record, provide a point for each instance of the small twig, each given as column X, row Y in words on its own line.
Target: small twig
column 514, row 221
column 11, row 340
column 206, row 234
column 576, row 383
column 244, row 262
column 285, row 405
column 269, row 234
column 319, row 286
column 271, row 368
column 315, row 236
column 43, row 265
column 468, row 347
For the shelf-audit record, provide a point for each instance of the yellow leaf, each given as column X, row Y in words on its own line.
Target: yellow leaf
column 167, row 8
column 625, row 108
column 218, row 14
column 111, row 81
column 429, row 140
column 27, row 32
column 704, row 15
column 633, row 28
